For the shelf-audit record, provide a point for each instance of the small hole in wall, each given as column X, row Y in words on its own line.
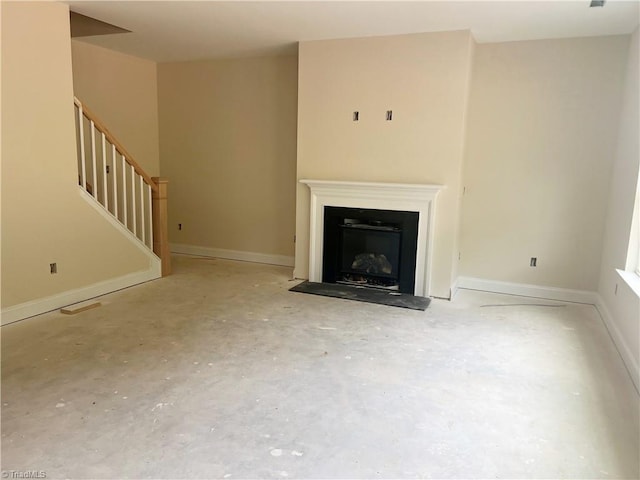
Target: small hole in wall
column 53, row 267
column 389, row 115
column 356, row 116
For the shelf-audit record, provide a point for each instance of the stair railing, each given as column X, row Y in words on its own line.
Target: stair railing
column 109, row 174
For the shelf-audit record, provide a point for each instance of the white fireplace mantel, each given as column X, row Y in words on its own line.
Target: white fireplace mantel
column 382, row 196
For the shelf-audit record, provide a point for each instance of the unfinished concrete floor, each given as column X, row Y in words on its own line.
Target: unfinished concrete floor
column 219, row 372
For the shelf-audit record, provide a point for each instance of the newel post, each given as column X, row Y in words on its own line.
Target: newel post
column 161, row 224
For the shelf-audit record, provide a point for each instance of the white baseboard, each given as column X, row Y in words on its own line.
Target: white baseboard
column 526, row 290
column 282, row 260
column 59, row 300
column 620, row 342
column 565, row 295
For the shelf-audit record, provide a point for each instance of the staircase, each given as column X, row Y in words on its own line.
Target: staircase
column 110, row 176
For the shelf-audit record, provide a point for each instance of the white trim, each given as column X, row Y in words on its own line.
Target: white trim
column 382, row 196
column 270, row 259
column 620, row 342
column 526, row 290
column 454, row 289
column 59, row 300
column 632, row 279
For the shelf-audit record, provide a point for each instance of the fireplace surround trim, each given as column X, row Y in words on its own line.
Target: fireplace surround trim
column 419, row 198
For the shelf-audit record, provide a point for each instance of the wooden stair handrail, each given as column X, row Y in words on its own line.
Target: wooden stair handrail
column 121, row 150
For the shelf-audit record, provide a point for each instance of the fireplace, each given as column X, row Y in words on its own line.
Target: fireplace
column 370, row 247
column 392, row 198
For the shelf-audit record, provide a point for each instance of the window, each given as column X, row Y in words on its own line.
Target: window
column 631, row 272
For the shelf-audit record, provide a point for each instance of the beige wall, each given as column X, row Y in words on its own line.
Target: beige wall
column 621, row 302
column 122, row 91
column 44, row 217
column 423, row 78
column 543, row 119
column 228, row 146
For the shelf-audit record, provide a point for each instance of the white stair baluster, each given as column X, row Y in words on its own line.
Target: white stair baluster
column 150, row 218
column 105, row 192
column 94, row 187
column 124, row 191
column 115, row 180
column 83, row 168
column 142, row 222
column 133, row 201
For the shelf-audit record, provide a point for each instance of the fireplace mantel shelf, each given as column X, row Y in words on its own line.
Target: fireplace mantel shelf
column 383, row 196
column 372, row 188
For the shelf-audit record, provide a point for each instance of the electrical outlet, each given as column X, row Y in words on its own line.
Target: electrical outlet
column 356, row 116
column 533, row 262
column 53, row 267
column 389, row 115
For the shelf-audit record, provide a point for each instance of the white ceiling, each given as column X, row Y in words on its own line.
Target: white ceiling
column 189, row 30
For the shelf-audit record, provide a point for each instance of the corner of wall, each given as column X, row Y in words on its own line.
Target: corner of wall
column 618, row 304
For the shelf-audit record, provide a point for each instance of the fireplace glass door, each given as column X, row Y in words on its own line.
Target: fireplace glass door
column 370, row 255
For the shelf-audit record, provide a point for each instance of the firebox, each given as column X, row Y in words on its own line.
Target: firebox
column 371, row 248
